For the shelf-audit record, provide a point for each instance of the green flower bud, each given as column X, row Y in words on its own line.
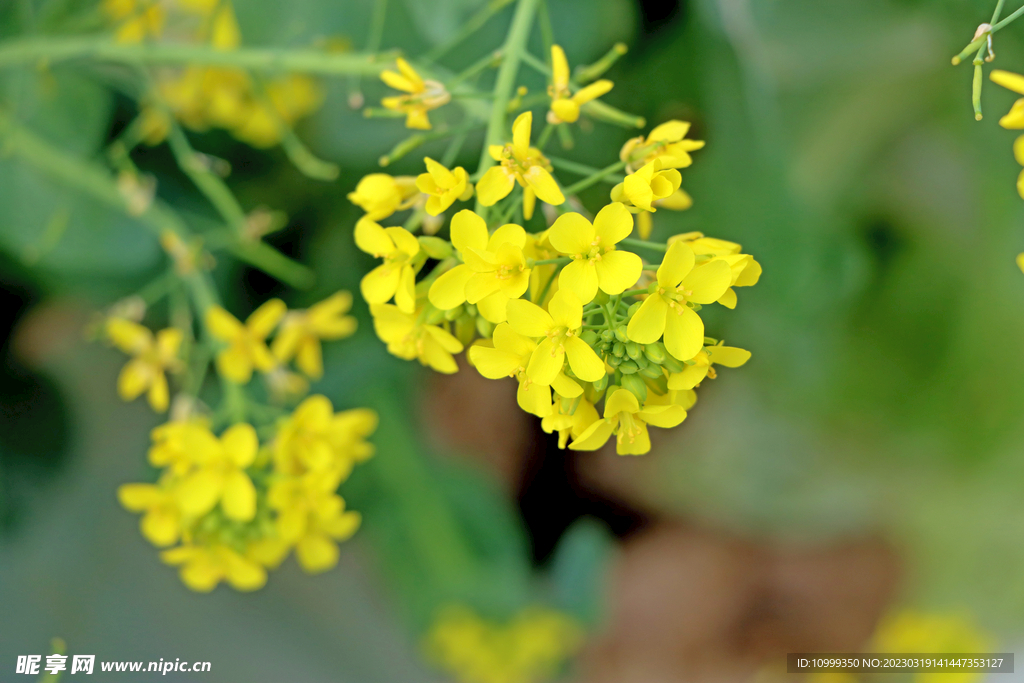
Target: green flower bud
column 613, row 361
column 453, row 313
column 628, row 367
column 484, row 327
column 653, row 371
column 634, row 308
column 620, row 334
column 633, row 350
column 590, row 338
column 655, row 353
column 672, row 364
column 619, row 349
column 607, row 335
column 636, row 385
column 435, row 247
column 601, row 384
column 641, row 361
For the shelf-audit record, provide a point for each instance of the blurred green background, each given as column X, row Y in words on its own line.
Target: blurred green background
column 884, row 395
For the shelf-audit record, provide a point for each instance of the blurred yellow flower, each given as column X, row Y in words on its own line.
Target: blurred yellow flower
column 519, row 162
column 161, row 521
column 247, row 348
column 152, row 358
column 316, row 439
column 301, row 332
column 565, row 106
column 139, row 19
column 380, row 195
column 313, row 518
column 219, row 477
column 204, row 566
column 422, row 95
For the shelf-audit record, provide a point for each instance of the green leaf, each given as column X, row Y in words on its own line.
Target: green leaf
column 578, row 569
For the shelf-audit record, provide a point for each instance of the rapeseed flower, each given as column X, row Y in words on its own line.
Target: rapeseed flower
column 570, row 423
column 161, row 521
column 565, row 106
column 316, row 439
column 395, row 277
column 703, row 366
column 596, row 263
column 559, row 328
column 247, row 348
column 204, row 566
column 312, row 518
column 666, row 142
column 152, row 358
column 745, row 270
column 442, row 186
column 219, row 477
column 380, row 195
column 421, row 95
column 301, row 332
column 647, row 185
column 518, row 162
column 408, row 336
column 624, row 417
column 666, row 310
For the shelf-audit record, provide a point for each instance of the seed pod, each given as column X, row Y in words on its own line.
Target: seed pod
column 655, row 353
column 636, row 385
column 633, row 350
column 619, row 349
column 620, row 334
column 628, row 367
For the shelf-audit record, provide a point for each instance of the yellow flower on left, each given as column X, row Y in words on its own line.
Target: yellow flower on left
column 422, row 95
column 395, row 277
column 204, row 566
column 247, row 347
column 219, row 476
column 152, row 357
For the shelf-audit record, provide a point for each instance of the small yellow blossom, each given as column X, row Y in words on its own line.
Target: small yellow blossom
column 665, row 310
column 560, row 327
column 596, row 263
column 494, row 271
column 703, row 366
column 204, row 566
column 422, row 95
column 301, row 332
column 648, row 185
column 911, row 631
column 313, row 518
column 381, row 195
column 395, row 277
column 247, row 348
column 624, row 417
column 508, row 356
column 565, row 106
column 408, row 336
column 667, row 143
column 745, row 270
column 529, row 648
column 139, row 19
column 570, row 424
column 161, row 523
column 176, row 445
column 152, row 358
column 219, row 477
column 316, row 439
column 518, row 161
column 442, row 186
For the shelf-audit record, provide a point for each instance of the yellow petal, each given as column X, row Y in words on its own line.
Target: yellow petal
column 665, row 417
column 310, row 358
column 592, row 91
column 584, row 362
column 684, row 333
column 493, row 308
column 559, row 67
column 449, row 290
column 534, row 398
column 1014, row 119
column 240, row 444
column 638, row 191
column 521, row 128
column 244, row 574
column 138, row 497
column 580, row 277
column 404, row 240
column 572, row 234
column 541, row 182
column 380, row 284
column 691, row 376
column 708, row 282
column 199, row 492
column 130, row 337
column 239, row 497
column 134, row 379
column 593, row 437
column 511, row 234
column 468, row 230
column 159, row 394
column 1020, row 258
column 621, row 401
column 222, row 324
column 494, row 186
column 316, row 553
column 566, row 309
column 670, row 131
column 480, row 286
column 528, row 318
column 613, row 223
column 729, row 298
column 493, row 363
column 648, row 323
column 676, row 265
column 729, row 356
column 1018, row 149
column 617, row 271
column 265, row 318
column 637, row 443
column 372, row 238
column 1008, row 80
column 545, row 362
column 405, row 292
column 160, row 527
column 441, row 175
column 567, row 110
column 566, row 387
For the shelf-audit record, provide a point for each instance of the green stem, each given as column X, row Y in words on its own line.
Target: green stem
column 634, row 292
column 546, row 262
column 545, row 135
column 481, row 64
column 584, row 170
column 59, row 49
column 594, row 178
column 642, row 244
column 515, row 46
column 380, row 13
column 469, row 28
column 206, row 181
column 981, row 40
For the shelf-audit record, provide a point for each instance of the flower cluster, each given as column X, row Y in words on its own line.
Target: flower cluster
column 572, row 311
column 204, row 97
column 236, row 507
column 533, row 646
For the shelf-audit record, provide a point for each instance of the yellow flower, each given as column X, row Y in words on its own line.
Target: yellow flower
column 647, row 185
column 408, row 337
column 443, row 186
column 666, row 143
column 560, row 329
column 247, row 348
column 395, row 277
column 175, row 444
column 1014, row 120
column 288, row 99
column 703, row 362
column 140, row 19
column 677, row 201
column 161, row 523
column 204, row 566
column 745, row 270
column 665, row 310
column 152, row 358
column 567, row 424
column 624, row 417
column 519, row 162
column 380, row 195
column 565, row 107
column 423, row 95
column 596, row 263
column 219, row 477
column 301, row 332
column 910, row 631
column 316, row 439
column 509, row 356
column 529, row 648
column 313, row 518
column 494, row 271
